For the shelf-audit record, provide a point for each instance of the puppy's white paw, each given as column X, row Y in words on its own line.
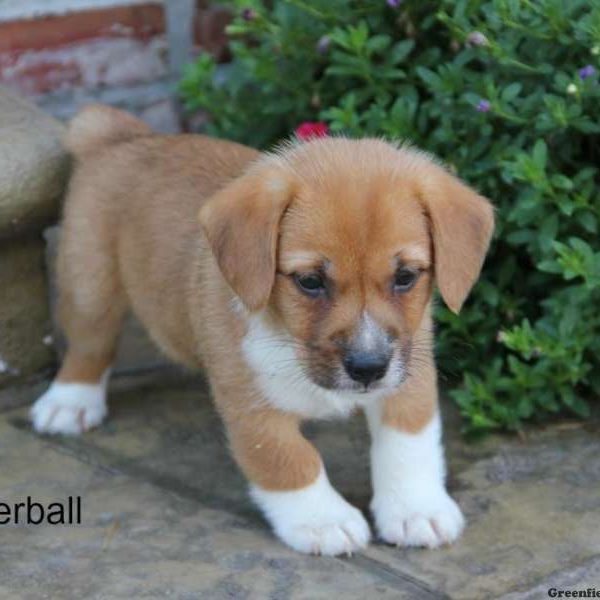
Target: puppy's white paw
column 70, row 408
column 431, row 522
column 315, row 519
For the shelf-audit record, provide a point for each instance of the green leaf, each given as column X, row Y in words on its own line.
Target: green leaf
column 429, row 77
column 378, row 43
column 540, row 154
column 588, row 220
column 400, row 51
column 511, row 92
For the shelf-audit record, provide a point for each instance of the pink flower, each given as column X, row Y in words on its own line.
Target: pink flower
column 309, row 130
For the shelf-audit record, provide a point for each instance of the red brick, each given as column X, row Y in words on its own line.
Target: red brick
column 209, row 30
column 114, row 46
column 141, row 22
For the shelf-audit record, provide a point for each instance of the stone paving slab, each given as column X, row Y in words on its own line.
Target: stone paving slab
column 166, row 512
column 140, row 539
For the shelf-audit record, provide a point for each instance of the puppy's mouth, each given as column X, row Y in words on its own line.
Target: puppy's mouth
column 365, row 379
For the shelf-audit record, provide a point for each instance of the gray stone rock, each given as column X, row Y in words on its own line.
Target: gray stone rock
column 34, row 166
column 577, row 578
column 24, row 314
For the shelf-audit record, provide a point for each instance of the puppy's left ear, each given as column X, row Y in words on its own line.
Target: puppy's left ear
column 241, row 223
column 462, row 223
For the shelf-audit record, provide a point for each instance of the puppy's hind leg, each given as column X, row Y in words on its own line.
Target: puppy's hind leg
column 90, row 310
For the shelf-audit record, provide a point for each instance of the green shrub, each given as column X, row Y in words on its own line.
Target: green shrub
column 507, row 93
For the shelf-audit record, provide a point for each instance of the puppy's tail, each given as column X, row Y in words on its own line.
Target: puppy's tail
column 97, row 127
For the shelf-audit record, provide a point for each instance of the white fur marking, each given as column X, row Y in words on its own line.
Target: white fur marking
column 299, row 260
column 70, row 408
column 410, row 503
column 277, row 184
column 283, row 382
column 415, row 252
column 314, row 519
column 369, row 335
column 237, row 306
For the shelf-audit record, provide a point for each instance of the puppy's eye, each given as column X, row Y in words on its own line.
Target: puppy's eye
column 405, row 279
column 311, row 284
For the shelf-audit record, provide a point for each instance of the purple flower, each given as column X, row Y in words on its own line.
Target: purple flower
column 476, row 38
column 394, row 3
column 323, row 44
column 248, row 14
column 587, row 71
column 483, row 106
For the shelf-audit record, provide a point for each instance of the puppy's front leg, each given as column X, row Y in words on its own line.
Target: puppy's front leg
column 290, row 485
column 410, row 505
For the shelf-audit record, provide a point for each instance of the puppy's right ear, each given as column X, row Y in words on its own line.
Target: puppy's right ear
column 241, row 223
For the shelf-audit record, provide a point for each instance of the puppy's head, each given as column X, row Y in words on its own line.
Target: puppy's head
column 337, row 243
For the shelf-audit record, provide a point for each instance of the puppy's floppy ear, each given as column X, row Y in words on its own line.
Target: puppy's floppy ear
column 241, row 223
column 462, row 223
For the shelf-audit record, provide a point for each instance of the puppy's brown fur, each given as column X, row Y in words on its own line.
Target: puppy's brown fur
column 179, row 228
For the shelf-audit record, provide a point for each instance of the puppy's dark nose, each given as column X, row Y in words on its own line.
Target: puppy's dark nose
column 366, row 367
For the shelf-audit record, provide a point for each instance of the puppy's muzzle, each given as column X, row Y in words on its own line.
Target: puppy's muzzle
column 366, row 367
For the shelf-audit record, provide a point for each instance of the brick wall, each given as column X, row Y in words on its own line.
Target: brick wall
column 66, row 53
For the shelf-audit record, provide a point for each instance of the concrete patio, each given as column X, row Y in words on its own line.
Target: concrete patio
column 165, row 511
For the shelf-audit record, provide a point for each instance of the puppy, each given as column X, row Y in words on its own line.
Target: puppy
column 301, row 281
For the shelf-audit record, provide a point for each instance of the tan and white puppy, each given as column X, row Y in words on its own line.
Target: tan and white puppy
column 300, row 280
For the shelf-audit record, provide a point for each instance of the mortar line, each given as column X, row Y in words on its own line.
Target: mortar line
column 393, row 576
